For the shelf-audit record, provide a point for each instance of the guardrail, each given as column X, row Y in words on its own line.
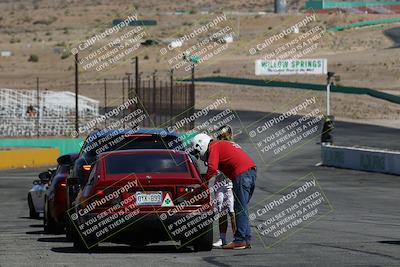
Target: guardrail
column 336, row 4
column 28, row 157
column 305, row 86
column 364, row 159
column 363, row 24
column 63, row 145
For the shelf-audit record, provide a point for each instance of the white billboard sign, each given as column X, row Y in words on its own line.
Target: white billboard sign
column 291, row 66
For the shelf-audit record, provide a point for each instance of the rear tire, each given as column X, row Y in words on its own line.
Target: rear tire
column 68, row 227
column 77, row 241
column 32, row 212
column 205, row 241
column 79, row 244
column 50, row 225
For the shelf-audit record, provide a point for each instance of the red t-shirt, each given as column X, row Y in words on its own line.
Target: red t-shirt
column 229, row 158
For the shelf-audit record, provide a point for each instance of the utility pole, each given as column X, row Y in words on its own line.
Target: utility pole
column 171, row 95
column 328, row 92
column 192, row 96
column 128, row 75
column 76, row 96
column 38, row 106
column 154, row 98
column 123, row 90
column 327, row 136
column 105, row 102
column 136, row 75
column 123, row 98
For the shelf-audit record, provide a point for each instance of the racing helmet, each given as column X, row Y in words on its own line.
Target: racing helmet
column 200, row 144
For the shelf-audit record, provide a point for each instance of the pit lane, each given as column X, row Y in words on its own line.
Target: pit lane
column 363, row 228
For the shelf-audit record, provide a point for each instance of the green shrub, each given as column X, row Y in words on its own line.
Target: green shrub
column 33, row 58
column 66, row 54
column 14, row 40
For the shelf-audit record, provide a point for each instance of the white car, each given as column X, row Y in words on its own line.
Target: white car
column 36, row 194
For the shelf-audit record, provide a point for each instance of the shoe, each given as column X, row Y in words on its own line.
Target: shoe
column 219, row 244
column 234, row 245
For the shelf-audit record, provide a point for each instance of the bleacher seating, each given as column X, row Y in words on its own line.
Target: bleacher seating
column 55, row 116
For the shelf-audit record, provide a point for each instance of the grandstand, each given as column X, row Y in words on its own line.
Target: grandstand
column 55, row 116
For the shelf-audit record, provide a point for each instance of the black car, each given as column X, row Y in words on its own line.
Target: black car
column 110, row 140
column 55, row 199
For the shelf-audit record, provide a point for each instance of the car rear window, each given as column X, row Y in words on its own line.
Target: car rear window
column 120, row 142
column 146, row 163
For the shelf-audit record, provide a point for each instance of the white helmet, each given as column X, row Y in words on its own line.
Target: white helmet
column 200, row 143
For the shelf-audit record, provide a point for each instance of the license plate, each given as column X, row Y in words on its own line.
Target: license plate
column 148, row 198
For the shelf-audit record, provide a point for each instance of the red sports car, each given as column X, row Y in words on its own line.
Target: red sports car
column 55, row 200
column 138, row 197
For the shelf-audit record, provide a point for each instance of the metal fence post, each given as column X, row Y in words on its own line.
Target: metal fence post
column 161, row 108
column 76, row 97
column 123, row 98
column 105, row 102
column 154, row 98
column 192, row 97
column 38, row 107
column 136, row 74
column 171, row 96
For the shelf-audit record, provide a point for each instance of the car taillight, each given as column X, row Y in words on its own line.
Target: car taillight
column 191, row 194
column 182, row 190
column 86, row 167
column 99, row 193
column 110, row 201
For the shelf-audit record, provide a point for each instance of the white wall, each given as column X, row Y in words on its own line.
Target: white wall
column 361, row 159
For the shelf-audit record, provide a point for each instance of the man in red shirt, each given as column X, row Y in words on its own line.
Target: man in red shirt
column 233, row 162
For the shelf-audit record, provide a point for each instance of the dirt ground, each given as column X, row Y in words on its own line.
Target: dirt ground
column 345, row 107
column 361, row 57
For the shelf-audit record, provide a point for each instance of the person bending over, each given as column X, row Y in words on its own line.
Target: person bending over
column 229, row 158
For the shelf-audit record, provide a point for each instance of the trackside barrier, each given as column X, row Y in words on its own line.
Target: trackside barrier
column 363, row 24
column 352, row 4
column 64, row 145
column 305, row 86
column 364, row 159
column 28, row 157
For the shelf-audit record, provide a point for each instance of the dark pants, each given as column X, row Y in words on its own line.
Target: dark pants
column 243, row 187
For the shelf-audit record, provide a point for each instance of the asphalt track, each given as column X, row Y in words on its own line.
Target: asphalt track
column 362, row 230
column 394, row 34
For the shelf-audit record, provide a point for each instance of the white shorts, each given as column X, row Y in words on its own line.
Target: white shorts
column 224, row 195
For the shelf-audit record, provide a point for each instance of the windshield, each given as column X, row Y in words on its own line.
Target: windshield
column 146, row 163
column 121, row 142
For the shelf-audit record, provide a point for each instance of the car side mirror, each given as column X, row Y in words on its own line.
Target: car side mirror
column 52, row 171
column 65, row 160
column 72, row 181
column 44, row 177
